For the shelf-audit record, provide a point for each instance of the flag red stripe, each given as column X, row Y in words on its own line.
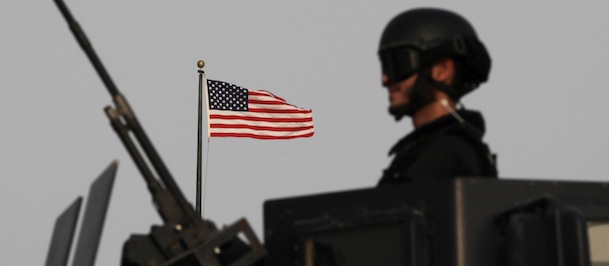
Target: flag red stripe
column 263, row 93
column 278, row 111
column 278, row 129
column 248, row 135
column 269, row 102
column 261, row 119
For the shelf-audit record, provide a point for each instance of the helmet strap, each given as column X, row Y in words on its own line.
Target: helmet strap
column 420, row 95
column 450, row 90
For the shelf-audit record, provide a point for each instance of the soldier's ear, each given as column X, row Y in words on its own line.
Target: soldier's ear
column 443, row 71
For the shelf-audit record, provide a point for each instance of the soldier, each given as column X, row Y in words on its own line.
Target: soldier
column 430, row 59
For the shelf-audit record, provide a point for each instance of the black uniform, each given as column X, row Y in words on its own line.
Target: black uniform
column 442, row 148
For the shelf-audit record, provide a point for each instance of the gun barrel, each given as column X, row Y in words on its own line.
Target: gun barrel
column 84, row 43
column 177, row 208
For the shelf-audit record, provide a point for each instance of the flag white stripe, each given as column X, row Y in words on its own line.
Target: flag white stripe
column 261, row 132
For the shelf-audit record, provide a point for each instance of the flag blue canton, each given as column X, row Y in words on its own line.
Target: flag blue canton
column 226, row 96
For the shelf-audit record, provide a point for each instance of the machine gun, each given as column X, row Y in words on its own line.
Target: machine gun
column 184, row 238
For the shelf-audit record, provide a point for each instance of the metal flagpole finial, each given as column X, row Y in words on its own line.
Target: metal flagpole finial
column 201, row 64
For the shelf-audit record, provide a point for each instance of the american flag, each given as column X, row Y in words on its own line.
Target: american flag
column 234, row 111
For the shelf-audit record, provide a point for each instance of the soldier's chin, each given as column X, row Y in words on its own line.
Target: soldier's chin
column 398, row 112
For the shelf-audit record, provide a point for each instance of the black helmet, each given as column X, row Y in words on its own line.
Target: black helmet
column 417, row 38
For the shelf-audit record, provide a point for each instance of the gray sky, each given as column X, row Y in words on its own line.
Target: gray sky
column 544, row 104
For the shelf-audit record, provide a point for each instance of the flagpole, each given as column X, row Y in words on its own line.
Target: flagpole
column 200, row 64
